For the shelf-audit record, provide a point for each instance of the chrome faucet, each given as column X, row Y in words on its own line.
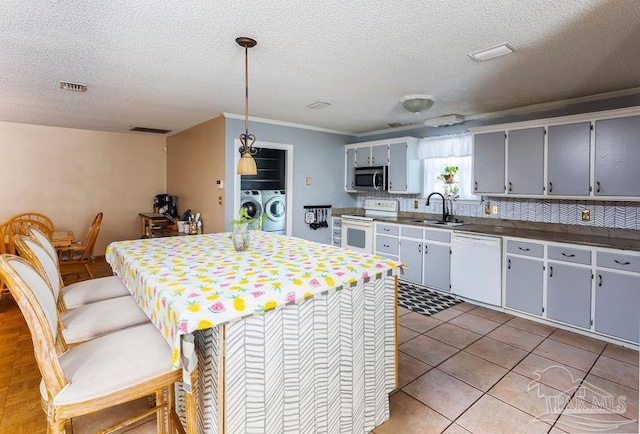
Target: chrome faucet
column 445, row 214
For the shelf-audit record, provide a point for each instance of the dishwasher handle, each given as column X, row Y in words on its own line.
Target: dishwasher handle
column 476, row 241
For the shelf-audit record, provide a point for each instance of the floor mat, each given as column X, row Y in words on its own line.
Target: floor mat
column 420, row 299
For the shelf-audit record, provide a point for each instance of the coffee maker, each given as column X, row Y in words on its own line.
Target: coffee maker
column 165, row 204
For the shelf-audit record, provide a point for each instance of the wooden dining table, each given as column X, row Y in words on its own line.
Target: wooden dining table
column 290, row 335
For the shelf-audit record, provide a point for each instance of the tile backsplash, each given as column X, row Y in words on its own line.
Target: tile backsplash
column 609, row 214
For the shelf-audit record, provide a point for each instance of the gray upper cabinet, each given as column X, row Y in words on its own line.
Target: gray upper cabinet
column 617, row 157
column 569, row 151
column 488, row 162
column 377, row 155
column 349, row 174
column 398, row 167
column 525, row 164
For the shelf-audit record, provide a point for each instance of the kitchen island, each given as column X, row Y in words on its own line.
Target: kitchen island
column 290, row 335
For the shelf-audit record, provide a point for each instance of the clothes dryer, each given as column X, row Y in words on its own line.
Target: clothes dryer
column 251, row 201
column 274, row 205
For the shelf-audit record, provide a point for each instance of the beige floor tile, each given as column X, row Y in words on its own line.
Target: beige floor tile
column 473, row 370
column 453, row 335
column 561, row 377
column 616, row 371
column 418, row 322
column 474, row 323
column 580, row 417
column 428, row 350
column 490, row 415
column 409, row 369
column 623, row 354
column 534, row 398
column 403, row 311
column 454, row 428
column 493, row 315
column 531, row 326
column 443, row 393
column 516, row 337
column 410, row 416
column 404, row 334
column 580, row 341
column 464, row 306
column 610, row 396
column 566, row 354
column 447, row 314
column 497, row 352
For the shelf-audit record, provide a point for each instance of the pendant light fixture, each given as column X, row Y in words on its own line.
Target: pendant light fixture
column 247, row 165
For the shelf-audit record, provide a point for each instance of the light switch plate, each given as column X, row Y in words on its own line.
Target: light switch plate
column 494, row 209
column 308, row 180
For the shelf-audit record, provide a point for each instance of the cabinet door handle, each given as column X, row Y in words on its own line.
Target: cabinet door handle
column 550, row 187
column 508, row 264
column 475, row 185
column 599, row 279
column 597, row 186
column 509, row 186
column 426, row 250
column 385, row 229
column 621, row 263
column 524, row 249
column 568, row 256
column 353, row 185
column 373, row 160
column 419, row 249
column 386, row 245
column 390, row 185
column 550, row 271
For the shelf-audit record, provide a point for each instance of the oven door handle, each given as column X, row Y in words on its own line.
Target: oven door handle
column 375, row 178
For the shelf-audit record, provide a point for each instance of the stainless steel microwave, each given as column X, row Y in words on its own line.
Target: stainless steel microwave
column 371, row 178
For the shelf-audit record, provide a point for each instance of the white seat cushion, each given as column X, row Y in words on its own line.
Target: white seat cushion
column 90, row 291
column 111, row 363
column 102, row 317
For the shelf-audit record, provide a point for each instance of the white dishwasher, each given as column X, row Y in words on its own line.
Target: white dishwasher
column 476, row 267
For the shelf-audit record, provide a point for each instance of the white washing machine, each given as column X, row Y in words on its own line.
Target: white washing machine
column 274, row 205
column 251, row 201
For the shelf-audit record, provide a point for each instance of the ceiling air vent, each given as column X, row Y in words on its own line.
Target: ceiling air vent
column 73, row 87
column 149, row 130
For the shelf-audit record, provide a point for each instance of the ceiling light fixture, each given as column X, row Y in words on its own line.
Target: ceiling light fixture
column 493, row 52
column 417, row 103
column 444, row 121
column 247, row 165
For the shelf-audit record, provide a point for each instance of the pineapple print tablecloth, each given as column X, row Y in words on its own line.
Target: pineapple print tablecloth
column 197, row 282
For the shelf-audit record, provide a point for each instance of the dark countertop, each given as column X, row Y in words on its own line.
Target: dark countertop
column 623, row 239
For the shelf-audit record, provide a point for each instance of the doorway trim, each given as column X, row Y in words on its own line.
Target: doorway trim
column 288, row 179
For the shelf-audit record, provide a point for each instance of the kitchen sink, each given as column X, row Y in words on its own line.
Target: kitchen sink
column 435, row 222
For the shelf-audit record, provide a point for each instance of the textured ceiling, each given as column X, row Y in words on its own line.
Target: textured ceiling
column 171, row 64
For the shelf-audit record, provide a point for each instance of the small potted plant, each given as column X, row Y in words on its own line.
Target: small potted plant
column 240, row 235
column 449, row 174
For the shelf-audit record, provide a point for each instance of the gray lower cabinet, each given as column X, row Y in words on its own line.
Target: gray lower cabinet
column 349, row 174
column 488, row 162
column 569, row 155
column 617, row 152
column 524, row 278
column 437, row 266
column 569, row 294
column 411, row 255
column 525, row 165
column 617, row 304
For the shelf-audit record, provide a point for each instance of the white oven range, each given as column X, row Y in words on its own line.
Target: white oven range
column 357, row 230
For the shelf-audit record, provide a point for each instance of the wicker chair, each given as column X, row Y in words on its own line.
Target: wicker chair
column 104, row 372
column 81, row 253
column 88, row 321
column 35, row 219
column 86, row 291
